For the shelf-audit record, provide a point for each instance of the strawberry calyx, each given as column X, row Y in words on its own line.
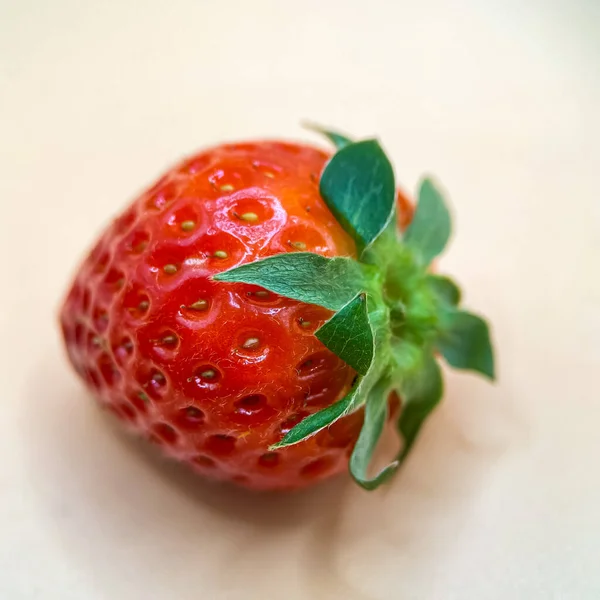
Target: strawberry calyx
column 393, row 317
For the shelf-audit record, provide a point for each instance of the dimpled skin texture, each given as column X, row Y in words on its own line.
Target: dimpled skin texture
column 214, row 372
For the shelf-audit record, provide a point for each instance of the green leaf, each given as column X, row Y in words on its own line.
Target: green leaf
column 379, row 320
column 429, row 230
column 304, row 276
column 444, row 288
column 314, row 423
column 338, row 140
column 348, row 334
column 358, row 187
column 421, row 394
column 376, row 410
column 465, row 343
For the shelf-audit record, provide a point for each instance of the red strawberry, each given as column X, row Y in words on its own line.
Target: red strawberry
column 216, row 373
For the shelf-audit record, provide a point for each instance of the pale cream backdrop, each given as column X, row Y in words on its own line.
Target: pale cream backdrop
column 501, row 101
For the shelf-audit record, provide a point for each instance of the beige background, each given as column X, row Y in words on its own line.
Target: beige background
column 501, row 498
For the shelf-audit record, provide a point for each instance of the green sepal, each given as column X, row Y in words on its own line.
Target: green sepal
column 337, row 139
column 445, row 289
column 430, row 228
column 348, row 334
column 420, row 393
column 317, row 421
column 304, row 276
column 465, row 343
column 379, row 322
column 392, row 314
column 358, row 187
column 376, row 412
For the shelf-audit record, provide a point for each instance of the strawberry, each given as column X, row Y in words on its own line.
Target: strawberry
column 240, row 314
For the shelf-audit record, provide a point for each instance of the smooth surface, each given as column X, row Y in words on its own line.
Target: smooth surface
column 501, row 498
